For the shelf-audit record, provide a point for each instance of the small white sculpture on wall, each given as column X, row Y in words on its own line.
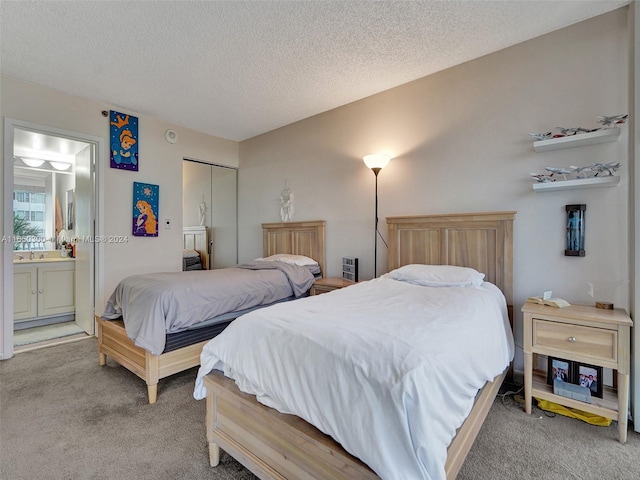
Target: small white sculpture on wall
column 286, row 204
column 202, row 212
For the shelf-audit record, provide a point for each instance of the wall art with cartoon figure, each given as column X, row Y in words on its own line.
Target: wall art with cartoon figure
column 145, row 209
column 124, row 141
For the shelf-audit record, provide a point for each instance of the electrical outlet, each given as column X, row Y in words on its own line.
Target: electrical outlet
column 167, row 223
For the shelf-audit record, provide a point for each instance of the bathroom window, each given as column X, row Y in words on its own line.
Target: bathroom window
column 29, row 214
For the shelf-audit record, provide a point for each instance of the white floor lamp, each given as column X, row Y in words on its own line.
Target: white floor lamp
column 376, row 162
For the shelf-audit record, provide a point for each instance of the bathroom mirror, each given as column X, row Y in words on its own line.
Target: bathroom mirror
column 43, row 188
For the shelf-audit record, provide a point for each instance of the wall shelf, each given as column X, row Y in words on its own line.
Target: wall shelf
column 593, row 182
column 579, row 140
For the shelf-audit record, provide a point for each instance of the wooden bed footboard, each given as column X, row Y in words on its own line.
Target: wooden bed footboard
column 113, row 342
column 273, row 445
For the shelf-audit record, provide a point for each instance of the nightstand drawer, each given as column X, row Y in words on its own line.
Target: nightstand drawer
column 594, row 342
column 318, row 289
column 325, row 285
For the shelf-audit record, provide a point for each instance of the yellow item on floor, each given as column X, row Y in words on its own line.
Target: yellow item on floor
column 591, row 418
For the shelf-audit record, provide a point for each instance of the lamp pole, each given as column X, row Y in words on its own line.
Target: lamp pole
column 376, row 171
column 376, row 162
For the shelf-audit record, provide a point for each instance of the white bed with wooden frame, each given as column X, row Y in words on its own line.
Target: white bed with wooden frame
column 298, row 238
column 279, row 446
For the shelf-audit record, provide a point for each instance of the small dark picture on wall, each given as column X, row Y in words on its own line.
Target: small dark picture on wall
column 558, row 369
column 71, row 211
column 575, row 230
column 589, row 376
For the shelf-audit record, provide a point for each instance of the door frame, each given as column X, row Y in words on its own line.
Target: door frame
column 99, row 146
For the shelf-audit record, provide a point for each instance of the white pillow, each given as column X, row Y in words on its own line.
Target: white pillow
column 288, row 258
column 437, row 275
column 189, row 254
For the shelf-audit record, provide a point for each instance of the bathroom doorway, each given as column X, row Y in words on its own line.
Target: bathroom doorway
column 50, row 196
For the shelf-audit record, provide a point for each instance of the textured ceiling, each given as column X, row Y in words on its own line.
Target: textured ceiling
column 242, row 68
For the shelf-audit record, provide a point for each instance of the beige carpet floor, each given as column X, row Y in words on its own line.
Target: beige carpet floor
column 63, row 416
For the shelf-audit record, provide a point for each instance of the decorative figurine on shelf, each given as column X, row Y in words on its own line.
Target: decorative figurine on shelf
column 559, row 171
column 202, row 212
column 612, row 120
column 286, row 204
column 567, row 132
column 577, row 173
column 581, row 172
column 542, row 178
column 605, row 167
column 542, row 136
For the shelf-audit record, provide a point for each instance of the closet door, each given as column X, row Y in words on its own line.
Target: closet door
column 217, row 186
column 223, row 216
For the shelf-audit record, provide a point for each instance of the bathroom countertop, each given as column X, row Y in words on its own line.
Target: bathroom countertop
column 43, row 260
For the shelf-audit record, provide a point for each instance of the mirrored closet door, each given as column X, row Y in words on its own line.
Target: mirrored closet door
column 210, row 198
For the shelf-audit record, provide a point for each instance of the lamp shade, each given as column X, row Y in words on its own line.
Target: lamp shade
column 377, row 160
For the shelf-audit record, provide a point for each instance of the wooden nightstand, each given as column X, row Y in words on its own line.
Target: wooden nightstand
column 325, row 285
column 583, row 334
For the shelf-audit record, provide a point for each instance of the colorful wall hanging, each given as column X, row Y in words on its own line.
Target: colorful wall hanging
column 124, row 141
column 145, row 209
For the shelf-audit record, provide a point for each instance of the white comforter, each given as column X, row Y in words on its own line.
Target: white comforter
column 388, row 369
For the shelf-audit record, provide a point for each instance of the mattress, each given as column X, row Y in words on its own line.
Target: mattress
column 209, row 328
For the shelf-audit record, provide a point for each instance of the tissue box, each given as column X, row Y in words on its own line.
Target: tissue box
column 570, row 390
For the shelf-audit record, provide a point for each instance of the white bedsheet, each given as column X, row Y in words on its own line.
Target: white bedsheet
column 388, row 369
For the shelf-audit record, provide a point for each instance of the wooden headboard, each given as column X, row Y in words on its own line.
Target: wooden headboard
column 297, row 238
column 483, row 241
column 197, row 238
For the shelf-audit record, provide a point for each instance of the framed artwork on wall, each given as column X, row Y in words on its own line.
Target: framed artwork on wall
column 145, row 209
column 124, row 141
column 575, row 230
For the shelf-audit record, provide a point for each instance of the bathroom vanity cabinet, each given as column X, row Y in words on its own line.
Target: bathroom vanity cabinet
column 43, row 289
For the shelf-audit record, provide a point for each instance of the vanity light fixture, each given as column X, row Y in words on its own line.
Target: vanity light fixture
column 32, row 162
column 376, row 162
column 60, row 165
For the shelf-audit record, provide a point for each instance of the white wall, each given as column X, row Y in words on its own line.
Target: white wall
column 460, row 142
column 461, row 145
column 160, row 163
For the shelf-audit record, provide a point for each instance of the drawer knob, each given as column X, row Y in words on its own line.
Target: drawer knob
column 572, row 339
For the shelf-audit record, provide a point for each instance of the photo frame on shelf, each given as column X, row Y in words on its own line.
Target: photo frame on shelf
column 589, row 376
column 560, row 369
